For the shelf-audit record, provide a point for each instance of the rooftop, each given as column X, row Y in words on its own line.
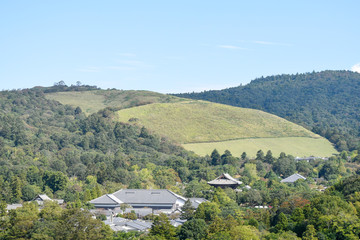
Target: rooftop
column 225, row 179
column 150, row 196
column 293, row 178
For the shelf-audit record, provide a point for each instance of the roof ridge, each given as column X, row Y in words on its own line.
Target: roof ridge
column 177, row 195
column 114, row 198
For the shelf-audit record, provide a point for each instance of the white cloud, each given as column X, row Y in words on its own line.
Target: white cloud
column 356, row 68
column 231, row 47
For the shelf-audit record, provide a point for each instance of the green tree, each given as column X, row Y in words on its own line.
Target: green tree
column 215, row 158
column 22, row 221
column 269, row 157
column 162, row 228
column 250, row 171
column 197, row 189
column 260, row 155
column 284, row 166
column 16, row 189
column 187, row 211
column 282, row 223
column 244, row 232
column 55, row 180
column 78, row 224
column 193, row 229
column 87, row 195
column 310, row 233
column 207, row 211
column 29, row 192
column 227, row 158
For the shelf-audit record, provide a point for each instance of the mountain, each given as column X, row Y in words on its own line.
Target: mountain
column 201, row 126
column 326, row 102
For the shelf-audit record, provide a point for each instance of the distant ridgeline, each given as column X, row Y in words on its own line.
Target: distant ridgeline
column 62, row 87
column 326, row 102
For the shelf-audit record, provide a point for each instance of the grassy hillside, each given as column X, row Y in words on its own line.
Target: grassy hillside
column 199, row 121
column 327, row 102
column 93, row 101
column 296, row 146
column 202, row 126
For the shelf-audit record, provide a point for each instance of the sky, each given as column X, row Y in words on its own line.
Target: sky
column 173, row 46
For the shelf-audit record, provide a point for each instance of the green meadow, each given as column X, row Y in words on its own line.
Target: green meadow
column 296, row 146
column 200, row 121
column 93, row 101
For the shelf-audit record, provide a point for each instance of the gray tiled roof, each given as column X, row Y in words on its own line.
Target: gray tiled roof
column 44, row 197
column 141, row 196
column 177, row 222
column 122, row 224
column 107, row 199
column 195, row 202
column 293, row 178
column 139, row 211
column 13, row 206
column 224, row 179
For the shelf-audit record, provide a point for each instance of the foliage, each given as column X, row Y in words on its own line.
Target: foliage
column 193, row 229
column 207, row 211
column 187, row 210
column 162, row 228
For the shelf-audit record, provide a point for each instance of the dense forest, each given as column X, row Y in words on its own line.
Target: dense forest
column 325, row 102
column 47, row 147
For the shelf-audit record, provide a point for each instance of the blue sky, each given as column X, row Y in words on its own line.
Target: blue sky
column 173, row 46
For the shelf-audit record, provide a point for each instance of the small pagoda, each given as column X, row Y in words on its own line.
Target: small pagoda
column 224, row 181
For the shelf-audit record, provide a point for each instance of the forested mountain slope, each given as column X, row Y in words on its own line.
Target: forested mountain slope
column 43, row 143
column 326, row 102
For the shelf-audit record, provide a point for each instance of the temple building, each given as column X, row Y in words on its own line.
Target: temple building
column 225, row 180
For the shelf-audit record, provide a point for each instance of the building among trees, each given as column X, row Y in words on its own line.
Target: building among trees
column 293, row 178
column 225, row 180
column 141, row 198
